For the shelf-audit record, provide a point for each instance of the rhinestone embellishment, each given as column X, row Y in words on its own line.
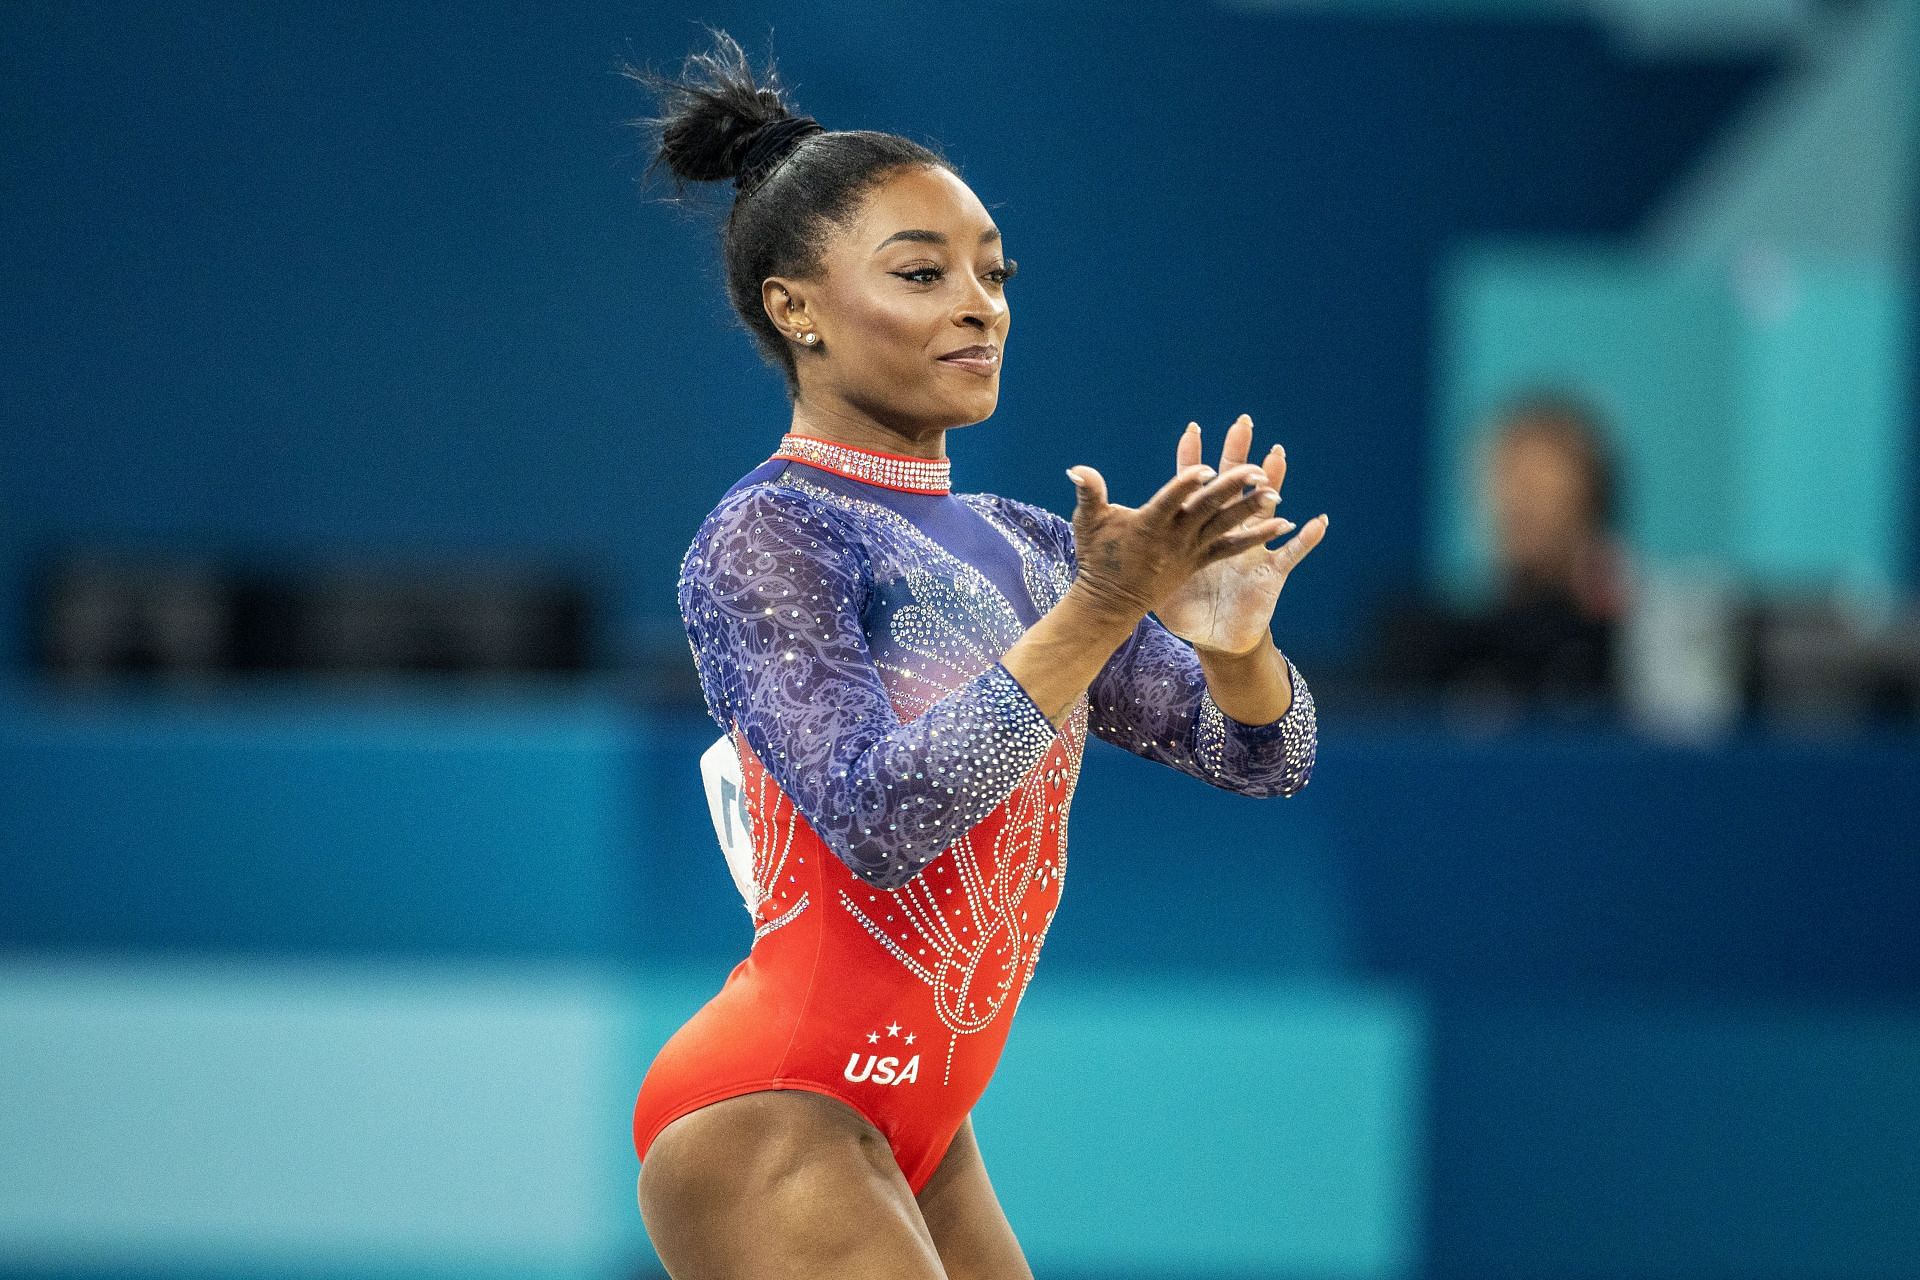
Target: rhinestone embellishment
column 888, row 470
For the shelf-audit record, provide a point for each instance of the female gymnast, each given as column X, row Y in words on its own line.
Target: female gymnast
column 907, row 676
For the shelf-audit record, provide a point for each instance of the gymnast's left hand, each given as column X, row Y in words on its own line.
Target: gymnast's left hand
column 1227, row 606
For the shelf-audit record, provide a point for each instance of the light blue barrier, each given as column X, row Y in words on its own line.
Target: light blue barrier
column 1190, row 1128
column 174, row 1117
column 178, row 1118
column 411, row 1121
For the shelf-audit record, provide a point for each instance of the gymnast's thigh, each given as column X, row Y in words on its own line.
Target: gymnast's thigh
column 782, row 1183
column 963, row 1215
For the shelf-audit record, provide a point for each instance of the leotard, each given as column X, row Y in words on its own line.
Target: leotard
column 906, row 799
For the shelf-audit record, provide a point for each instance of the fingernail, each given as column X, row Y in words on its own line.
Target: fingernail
column 1206, row 472
column 1192, row 427
column 1276, row 449
column 1073, row 477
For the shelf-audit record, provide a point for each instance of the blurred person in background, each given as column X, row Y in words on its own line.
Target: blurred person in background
column 1550, row 632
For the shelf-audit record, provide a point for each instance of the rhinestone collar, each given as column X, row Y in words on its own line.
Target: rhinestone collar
column 888, row 470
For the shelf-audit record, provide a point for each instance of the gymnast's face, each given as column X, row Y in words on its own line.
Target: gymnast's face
column 915, row 276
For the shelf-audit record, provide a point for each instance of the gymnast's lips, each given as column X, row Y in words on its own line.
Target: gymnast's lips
column 983, row 360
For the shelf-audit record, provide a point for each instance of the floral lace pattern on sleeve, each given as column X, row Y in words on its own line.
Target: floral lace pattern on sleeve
column 773, row 593
column 1152, row 699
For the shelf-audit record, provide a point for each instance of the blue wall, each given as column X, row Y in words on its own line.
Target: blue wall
column 284, row 283
column 1542, row 863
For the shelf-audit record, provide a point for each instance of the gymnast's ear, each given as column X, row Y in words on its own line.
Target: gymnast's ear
column 786, row 304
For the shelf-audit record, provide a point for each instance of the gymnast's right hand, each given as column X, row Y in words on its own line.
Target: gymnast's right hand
column 1131, row 557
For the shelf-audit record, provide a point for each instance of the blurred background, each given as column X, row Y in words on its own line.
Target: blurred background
column 357, row 404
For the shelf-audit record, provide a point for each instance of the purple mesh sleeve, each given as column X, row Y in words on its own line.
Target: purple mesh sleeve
column 1152, row 699
column 772, row 593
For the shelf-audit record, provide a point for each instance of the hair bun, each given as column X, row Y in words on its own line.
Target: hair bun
column 720, row 120
column 771, row 143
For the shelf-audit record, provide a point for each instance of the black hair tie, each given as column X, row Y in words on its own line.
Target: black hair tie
column 771, row 143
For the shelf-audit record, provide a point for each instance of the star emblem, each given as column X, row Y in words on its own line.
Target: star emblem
column 873, row 1037
column 894, row 1030
column 909, row 1037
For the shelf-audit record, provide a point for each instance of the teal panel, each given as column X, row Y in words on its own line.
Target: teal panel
column 1827, row 470
column 1762, row 420
column 1656, row 352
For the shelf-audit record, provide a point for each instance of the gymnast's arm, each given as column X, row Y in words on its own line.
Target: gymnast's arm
column 1159, row 698
column 772, row 593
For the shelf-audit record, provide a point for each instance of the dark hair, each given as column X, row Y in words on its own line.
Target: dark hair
column 1574, row 423
column 788, row 195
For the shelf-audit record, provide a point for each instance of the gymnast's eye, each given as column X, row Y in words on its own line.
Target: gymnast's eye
column 927, row 275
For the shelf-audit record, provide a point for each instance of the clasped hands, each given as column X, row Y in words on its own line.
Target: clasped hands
column 1195, row 553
